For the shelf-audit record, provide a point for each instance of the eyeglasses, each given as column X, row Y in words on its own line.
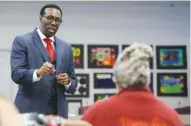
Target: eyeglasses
column 52, row 18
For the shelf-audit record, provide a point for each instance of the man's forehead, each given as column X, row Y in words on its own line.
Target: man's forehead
column 53, row 12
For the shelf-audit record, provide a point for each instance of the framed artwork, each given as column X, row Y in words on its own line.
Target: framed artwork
column 101, row 96
column 102, row 56
column 82, row 89
column 151, row 60
column 172, row 84
column 74, row 106
column 78, row 54
column 171, row 57
column 103, row 81
column 151, row 83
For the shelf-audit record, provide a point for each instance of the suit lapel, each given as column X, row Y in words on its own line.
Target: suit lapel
column 59, row 51
column 38, row 43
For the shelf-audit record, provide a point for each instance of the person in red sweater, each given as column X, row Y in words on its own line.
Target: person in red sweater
column 134, row 105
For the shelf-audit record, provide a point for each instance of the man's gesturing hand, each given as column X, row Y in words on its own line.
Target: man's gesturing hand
column 45, row 69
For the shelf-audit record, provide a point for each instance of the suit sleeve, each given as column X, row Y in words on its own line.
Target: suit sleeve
column 72, row 75
column 20, row 72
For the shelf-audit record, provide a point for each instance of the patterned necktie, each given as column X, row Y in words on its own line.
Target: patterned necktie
column 49, row 48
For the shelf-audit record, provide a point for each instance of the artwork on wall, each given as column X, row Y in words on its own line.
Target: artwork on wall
column 102, row 56
column 74, row 106
column 151, row 60
column 101, row 96
column 151, row 83
column 171, row 57
column 172, row 84
column 103, row 81
column 82, row 89
column 78, row 54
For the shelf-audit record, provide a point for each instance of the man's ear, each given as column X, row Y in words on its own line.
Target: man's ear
column 40, row 18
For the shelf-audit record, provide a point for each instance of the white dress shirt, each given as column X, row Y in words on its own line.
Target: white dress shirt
column 42, row 37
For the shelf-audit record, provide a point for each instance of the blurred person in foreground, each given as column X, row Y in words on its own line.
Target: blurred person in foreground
column 10, row 116
column 134, row 104
column 42, row 66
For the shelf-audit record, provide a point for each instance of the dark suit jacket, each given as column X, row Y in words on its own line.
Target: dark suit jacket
column 28, row 53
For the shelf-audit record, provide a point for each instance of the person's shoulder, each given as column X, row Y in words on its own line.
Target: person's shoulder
column 22, row 39
column 9, row 110
column 98, row 110
column 62, row 41
column 101, row 105
column 173, row 116
column 23, row 36
column 167, row 108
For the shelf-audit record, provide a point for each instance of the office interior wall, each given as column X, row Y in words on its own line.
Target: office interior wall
column 152, row 22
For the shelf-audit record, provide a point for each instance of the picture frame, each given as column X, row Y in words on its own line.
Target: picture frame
column 151, row 83
column 172, row 84
column 74, row 106
column 150, row 61
column 82, row 89
column 171, row 57
column 101, row 96
column 102, row 56
column 104, row 81
column 78, row 54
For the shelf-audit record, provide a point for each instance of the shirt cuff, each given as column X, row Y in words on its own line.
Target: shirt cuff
column 35, row 77
column 68, row 85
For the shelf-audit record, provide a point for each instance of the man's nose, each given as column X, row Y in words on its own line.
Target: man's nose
column 53, row 22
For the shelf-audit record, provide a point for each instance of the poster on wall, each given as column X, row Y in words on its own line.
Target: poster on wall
column 172, row 84
column 151, row 60
column 103, row 81
column 101, row 96
column 102, row 56
column 78, row 54
column 151, row 83
column 82, row 89
column 171, row 57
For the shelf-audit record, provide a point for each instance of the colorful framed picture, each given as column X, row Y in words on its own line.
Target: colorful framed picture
column 102, row 56
column 103, row 81
column 74, row 106
column 151, row 83
column 151, row 60
column 82, row 89
column 171, row 57
column 101, row 96
column 78, row 54
column 172, row 84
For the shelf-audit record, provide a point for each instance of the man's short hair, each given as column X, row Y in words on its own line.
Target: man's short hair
column 42, row 11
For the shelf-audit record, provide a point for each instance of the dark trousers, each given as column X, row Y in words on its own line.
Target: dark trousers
column 52, row 105
column 53, row 98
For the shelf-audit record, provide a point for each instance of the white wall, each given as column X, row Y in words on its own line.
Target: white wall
column 156, row 23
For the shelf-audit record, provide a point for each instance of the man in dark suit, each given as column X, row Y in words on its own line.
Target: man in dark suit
column 42, row 66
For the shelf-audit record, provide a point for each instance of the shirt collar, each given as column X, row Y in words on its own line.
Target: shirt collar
column 42, row 36
column 145, row 89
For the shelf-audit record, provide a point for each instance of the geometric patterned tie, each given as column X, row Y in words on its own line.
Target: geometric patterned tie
column 50, row 48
